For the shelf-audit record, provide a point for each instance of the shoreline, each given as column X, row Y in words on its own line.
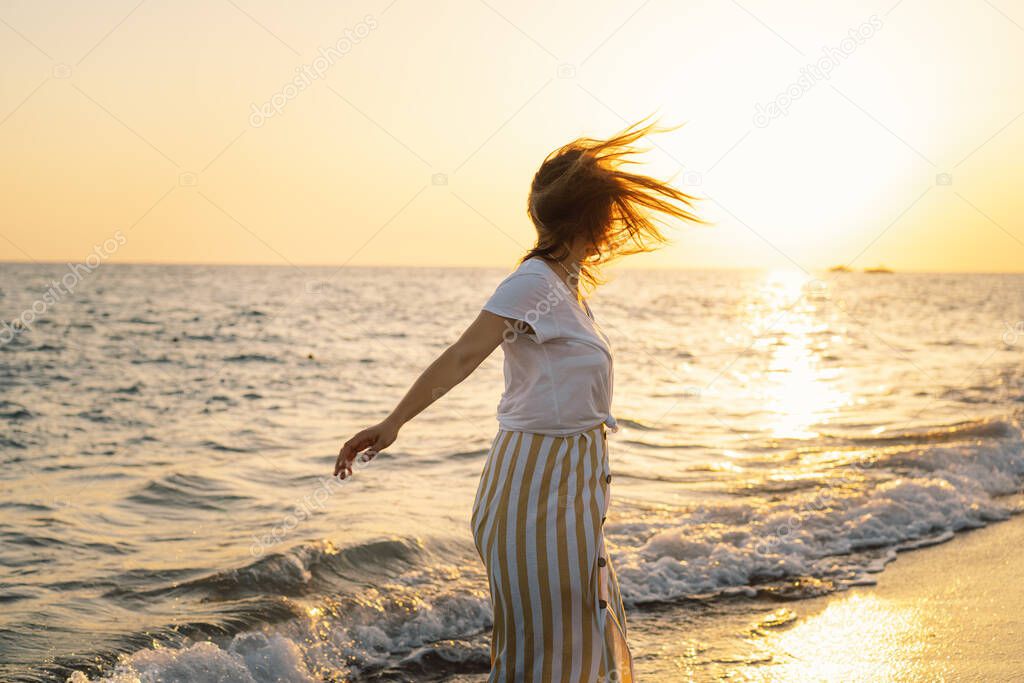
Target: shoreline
column 942, row 612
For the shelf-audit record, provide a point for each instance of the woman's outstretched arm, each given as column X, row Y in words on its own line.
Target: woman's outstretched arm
column 455, row 364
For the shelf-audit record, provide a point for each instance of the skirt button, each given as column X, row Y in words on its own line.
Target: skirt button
column 601, row 562
column 608, row 479
column 603, row 604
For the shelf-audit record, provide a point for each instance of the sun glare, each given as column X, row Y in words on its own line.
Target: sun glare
column 799, row 391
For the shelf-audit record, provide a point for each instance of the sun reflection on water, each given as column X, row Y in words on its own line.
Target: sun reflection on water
column 797, row 390
column 861, row 637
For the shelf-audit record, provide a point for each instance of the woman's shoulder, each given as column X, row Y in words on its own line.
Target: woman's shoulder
column 523, row 284
column 532, row 266
column 529, row 276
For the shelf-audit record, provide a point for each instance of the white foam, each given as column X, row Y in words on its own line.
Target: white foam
column 375, row 630
column 249, row 658
column 907, row 497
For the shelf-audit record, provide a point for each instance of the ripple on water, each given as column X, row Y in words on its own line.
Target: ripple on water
column 10, row 410
column 179, row 491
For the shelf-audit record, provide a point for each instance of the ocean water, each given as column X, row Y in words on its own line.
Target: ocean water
column 169, row 432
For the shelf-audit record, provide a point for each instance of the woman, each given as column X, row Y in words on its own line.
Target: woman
column 543, row 494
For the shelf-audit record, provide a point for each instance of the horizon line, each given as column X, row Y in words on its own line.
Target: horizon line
column 467, row 267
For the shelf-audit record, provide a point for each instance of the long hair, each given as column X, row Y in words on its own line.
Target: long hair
column 582, row 191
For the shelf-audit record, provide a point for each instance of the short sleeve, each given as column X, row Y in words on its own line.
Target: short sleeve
column 528, row 297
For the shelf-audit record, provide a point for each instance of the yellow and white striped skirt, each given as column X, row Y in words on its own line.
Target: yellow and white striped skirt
column 537, row 524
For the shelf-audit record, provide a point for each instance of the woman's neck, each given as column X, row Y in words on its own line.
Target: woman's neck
column 567, row 270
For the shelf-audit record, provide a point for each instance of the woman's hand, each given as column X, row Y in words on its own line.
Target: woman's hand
column 371, row 440
column 450, row 368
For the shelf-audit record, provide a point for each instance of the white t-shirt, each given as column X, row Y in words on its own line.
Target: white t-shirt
column 558, row 379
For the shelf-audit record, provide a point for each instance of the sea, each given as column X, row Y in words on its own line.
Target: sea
column 169, row 432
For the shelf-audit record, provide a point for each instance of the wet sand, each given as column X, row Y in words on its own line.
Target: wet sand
column 953, row 611
column 949, row 612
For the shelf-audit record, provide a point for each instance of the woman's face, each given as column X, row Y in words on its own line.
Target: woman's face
column 582, row 248
column 588, row 249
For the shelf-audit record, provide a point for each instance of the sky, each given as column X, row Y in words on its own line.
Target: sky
column 399, row 132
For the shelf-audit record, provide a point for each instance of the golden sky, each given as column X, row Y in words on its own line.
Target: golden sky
column 406, row 132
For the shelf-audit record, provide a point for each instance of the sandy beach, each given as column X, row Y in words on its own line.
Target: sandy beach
column 946, row 612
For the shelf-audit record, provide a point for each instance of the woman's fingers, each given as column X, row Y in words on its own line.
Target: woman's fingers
column 343, row 467
column 343, row 457
column 365, row 445
column 350, row 450
column 354, row 445
column 339, row 463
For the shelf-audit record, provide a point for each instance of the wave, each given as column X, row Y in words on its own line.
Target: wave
column 252, row 358
column 992, row 428
column 674, row 446
column 10, row 442
column 415, row 618
column 10, row 410
column 467, row 455
column 185, row 492
column 834, row 534
column 217, row 446
column 310, row 568
column 633, row 423
column 323, row 645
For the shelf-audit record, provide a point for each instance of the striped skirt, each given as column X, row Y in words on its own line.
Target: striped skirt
column 537, row 524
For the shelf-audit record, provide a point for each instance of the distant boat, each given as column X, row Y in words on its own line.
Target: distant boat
column 840, row 269
column 878, row 270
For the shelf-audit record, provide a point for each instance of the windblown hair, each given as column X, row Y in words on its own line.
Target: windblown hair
column 583, row 192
